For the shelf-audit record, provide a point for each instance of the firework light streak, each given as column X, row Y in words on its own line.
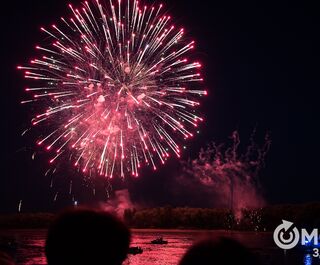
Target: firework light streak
column 114, row 88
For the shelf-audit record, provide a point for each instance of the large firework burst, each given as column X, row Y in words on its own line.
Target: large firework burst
column 114, row 88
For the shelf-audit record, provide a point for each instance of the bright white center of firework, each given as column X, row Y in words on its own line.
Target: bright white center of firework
column 127, row 69
column 101, row 99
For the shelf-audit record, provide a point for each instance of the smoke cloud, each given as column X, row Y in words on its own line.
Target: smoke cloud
column 226, row 175
column 119, row 203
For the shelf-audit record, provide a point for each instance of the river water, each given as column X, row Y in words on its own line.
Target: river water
column 30, row 249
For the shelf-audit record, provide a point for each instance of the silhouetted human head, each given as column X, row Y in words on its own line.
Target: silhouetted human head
column 87, row 237
column 223, row 251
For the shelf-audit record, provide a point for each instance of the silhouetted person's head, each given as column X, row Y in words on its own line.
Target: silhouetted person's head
column 223, row 251
column 87, row 237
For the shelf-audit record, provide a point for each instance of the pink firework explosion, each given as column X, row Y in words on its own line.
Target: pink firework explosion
column 114, row 88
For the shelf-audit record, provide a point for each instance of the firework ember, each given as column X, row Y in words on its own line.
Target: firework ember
column 114, row 88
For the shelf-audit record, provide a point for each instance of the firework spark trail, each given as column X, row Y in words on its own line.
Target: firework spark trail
column 229, row 173
column 116, row 89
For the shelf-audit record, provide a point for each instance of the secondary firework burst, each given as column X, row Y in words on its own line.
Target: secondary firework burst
column 114, row 88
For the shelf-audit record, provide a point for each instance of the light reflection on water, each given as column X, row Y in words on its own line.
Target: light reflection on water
column 31, row 247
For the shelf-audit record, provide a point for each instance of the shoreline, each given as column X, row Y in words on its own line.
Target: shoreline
column 189, row 219
column 146, row 229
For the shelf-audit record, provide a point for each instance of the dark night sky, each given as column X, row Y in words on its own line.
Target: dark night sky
column 259, row 65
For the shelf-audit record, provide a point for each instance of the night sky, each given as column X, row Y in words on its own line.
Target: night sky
column 259, row 66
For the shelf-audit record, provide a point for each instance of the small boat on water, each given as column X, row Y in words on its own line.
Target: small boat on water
column 135, row 250
column 159, row 241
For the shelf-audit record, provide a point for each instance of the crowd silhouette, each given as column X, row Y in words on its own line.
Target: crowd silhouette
column 85, row 237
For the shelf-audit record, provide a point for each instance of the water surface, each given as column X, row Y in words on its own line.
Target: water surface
column 31, row 247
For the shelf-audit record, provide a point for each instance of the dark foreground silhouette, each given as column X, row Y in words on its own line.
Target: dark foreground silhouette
column 223, row 251
column 82, row 237
column 5, row 259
